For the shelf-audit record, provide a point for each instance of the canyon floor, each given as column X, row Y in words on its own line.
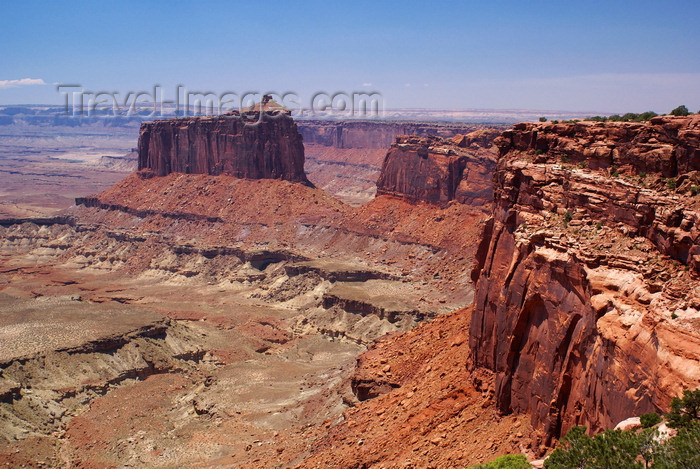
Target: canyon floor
column 199, row 359
column 150, row 327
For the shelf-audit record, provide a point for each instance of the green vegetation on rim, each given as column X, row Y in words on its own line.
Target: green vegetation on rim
column 680, row 111
column 508, row 461
column 634, row 117
column 637, row 448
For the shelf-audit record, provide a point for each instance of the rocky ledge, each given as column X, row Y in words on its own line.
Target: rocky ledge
column 267, row 147
column 587, row 303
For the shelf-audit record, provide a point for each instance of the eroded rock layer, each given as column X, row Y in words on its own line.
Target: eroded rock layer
column 666, row 145
column 437, row 170
column 266, row 148
column 587, row 290
column 374, row 134
column 345, row 158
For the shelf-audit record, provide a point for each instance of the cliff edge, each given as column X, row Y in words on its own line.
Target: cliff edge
column 587, row 304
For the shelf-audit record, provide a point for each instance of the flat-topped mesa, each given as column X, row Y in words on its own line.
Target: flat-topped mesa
column 268, row 148
column 438, row 170
column 666, row 145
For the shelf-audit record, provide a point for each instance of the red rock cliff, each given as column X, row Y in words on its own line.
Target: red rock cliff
column 269, row 149
column 438, row 170
column 587, row 303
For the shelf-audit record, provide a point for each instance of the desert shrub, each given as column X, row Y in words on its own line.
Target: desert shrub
column 556, row 122
column 612, row 448
column 508, row 461
column 627, row 117
column 680, row 452
column 627, row 449
column 565, row 159
column 636, row 448
column 538, row 152
column 695, row 190
column 567, row 218
column 685, row 410
column 680, row 111
column 633, row 117
column 645, row 116
column 650, row 419
column 671, row 183
column 543, row 119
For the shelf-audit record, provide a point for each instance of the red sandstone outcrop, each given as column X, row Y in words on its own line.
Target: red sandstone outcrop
column 270, row 148
column 437, row 170
column 345, row 158
column 587, row 303
column 666, row 145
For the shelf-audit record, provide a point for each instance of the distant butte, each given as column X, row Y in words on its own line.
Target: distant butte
column 269, row 147
column 439, row 170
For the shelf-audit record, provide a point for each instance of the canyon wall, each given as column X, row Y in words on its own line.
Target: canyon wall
column 370, row 134
column 438, row 170
column 345, row 158
column 269, row 149
column 587, row 303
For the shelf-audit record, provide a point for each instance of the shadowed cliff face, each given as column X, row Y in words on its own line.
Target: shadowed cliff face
column 269, row 149
column 437, row 170
column 587, row 289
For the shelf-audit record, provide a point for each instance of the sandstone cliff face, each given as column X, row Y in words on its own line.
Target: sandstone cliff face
column 587, row 289
column 437, row 170
column 345, row 158
column 269, row 149
column 666, row 145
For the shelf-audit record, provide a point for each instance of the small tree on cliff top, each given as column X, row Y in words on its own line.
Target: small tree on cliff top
column 685, row 411
column 680, row 111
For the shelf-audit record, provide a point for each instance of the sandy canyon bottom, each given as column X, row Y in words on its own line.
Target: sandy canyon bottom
column 207, row 361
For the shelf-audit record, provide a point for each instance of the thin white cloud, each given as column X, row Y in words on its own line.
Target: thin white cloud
column 367, row 84
column 21, row 82
column 407, row 85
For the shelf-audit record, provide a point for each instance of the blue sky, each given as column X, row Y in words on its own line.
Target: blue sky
column 613, row 56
